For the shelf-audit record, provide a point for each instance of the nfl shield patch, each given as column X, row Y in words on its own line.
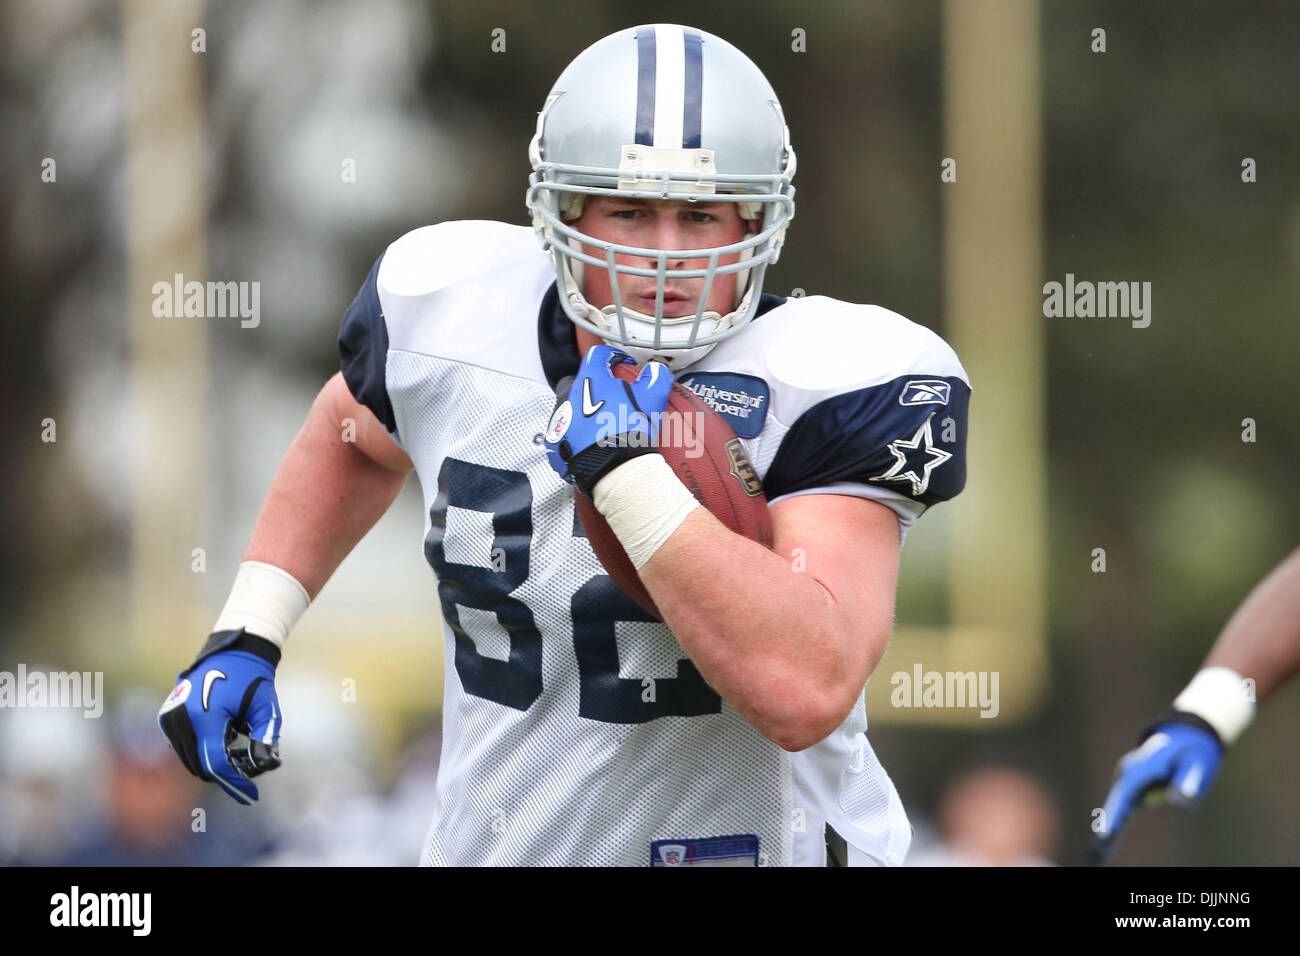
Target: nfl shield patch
column 738, row 850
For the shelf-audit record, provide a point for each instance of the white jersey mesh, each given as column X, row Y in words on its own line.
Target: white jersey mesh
column 545, row 785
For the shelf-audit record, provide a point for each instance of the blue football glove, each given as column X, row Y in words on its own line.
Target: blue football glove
column 1175, row 762
column 601, row 421
column 223, row 717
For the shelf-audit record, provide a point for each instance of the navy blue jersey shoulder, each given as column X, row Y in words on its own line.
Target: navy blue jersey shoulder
column 363, row 348
column 557, row 339
column 557, row 336
column 907, row 435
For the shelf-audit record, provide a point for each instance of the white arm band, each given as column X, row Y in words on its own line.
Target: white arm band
column 1220, row 697
column 644, row 502
column 264, row 599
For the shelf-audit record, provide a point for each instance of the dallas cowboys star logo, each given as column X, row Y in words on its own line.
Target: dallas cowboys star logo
column 913, row 468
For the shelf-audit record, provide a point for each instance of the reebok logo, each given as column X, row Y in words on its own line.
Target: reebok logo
column 925, row 392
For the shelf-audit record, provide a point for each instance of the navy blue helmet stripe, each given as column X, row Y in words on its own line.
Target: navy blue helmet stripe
column 694, row 91
column 645, row 87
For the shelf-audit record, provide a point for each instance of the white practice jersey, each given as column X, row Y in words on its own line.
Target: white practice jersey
column 553, row 750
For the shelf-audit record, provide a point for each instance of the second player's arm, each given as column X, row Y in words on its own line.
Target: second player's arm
column 1262, row 641
column 328, row 492
column 788, row 637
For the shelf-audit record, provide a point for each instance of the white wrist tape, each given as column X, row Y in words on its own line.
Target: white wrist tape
column 264, row 599
column 1219, row 696
column 644, row 502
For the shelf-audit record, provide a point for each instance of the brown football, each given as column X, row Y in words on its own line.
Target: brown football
column 722, row 479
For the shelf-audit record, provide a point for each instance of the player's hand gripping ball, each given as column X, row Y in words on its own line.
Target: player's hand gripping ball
column 695, row 441
column 600, row 421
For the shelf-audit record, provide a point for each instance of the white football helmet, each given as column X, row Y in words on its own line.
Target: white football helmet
column 661, row 112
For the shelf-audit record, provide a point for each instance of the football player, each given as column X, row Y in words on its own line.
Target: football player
column 1178, row 756
column 577, row 729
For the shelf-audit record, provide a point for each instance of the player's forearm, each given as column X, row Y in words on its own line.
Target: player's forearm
column 771, row 640
column 1262, row 640
column 325, row 496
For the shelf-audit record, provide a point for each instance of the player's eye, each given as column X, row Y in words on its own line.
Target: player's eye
column 697, row 216
column 625, row 213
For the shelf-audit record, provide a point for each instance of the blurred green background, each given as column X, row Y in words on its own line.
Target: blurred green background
column 1141, row 164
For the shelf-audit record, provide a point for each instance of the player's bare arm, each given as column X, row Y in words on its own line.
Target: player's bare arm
column 1262, row 640
column 790, row 649
column 339, row 476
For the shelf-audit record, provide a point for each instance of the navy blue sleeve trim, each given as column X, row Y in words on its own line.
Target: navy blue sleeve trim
column 907, row 435
column 363, row 347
